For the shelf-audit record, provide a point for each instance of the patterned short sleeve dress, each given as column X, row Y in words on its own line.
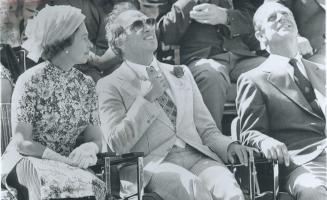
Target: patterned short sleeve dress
column 59, row 105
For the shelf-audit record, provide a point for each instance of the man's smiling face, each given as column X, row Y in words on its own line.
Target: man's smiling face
column 140, row 32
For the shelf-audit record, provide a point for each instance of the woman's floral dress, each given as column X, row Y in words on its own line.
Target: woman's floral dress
column 59, row 105
column 5, row 74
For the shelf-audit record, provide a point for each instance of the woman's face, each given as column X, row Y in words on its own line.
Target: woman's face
column 79, row 50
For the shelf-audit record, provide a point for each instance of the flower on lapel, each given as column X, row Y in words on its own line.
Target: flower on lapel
column 178, row 71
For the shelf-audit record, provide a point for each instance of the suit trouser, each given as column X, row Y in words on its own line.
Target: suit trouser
column 213, row 77
column 309, row 181
column 187, row 174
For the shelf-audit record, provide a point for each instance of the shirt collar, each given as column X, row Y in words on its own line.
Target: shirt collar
column 283, row 59
column 289, row 68
column 140, row 70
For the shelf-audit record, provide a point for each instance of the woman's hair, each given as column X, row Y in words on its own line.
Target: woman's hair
column 50, row 51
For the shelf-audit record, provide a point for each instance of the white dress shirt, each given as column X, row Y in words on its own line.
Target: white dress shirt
column 140, row 71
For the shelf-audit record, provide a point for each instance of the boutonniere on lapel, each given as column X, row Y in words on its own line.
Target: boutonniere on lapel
column 178, row 71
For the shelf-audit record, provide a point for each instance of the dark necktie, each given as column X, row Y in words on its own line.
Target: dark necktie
column 168, row 106
column 306, row 88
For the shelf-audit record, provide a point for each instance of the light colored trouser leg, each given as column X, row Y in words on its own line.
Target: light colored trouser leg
column 211, row 179
column 218, row 179
column 309, row 182
column 172, row 182
column 27, row 176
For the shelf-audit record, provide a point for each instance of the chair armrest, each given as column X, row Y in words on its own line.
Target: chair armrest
column 249, row 181
column 118, row 159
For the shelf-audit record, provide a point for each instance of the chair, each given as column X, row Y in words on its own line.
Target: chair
column 5, row 125
column 261, row 179
column 107, row 167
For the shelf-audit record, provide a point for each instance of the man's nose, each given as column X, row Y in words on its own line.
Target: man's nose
column 148, row 27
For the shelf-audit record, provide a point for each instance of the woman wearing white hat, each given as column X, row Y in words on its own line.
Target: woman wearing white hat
column 52, row 104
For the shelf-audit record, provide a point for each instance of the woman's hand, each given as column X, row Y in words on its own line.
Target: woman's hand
column 84, row 155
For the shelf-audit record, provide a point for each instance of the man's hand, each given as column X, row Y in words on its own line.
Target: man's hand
column 158, row 84
column 242, row 153
column 304, row 46
column 84, row 155
column 93, row 59
column 209, row 14
column 275, row 150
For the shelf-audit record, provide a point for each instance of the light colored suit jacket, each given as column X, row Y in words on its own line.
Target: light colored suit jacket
column 131, row 123
column 269, row 104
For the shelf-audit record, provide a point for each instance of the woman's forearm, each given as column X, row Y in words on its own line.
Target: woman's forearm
column 30, row 148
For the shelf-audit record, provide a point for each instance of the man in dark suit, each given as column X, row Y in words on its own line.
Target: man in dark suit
column 216, row 42
column 281, row 105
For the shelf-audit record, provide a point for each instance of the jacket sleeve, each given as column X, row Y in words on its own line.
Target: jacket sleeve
column 173, row 24
column 123, row 127
column 211, row 136
column 240, row 19
column 252, row 112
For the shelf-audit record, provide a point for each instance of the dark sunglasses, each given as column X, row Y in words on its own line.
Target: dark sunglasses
column 140, row 24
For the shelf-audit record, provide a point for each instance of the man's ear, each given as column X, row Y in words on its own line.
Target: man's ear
column 119, row 43
column 261, row 38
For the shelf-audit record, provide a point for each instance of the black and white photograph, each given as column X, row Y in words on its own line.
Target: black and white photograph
column 163, row 100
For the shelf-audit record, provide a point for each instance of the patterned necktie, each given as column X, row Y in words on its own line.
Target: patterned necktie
column 306, row 88
column 168, row 106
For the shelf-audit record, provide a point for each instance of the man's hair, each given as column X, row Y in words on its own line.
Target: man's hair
column 115, row 32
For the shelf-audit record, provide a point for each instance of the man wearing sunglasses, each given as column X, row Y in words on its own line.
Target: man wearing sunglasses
column 156, row 108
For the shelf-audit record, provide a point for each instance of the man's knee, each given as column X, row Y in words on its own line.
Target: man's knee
column 227, row 190
column 307, row 186
column 171, row 186
column 208, row 70
column 316, row 193
column 224, row 187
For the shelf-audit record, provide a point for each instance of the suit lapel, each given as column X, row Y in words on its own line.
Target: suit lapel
column 129, row 80
column 317, row 75
column 280, row 78
column 132, row 85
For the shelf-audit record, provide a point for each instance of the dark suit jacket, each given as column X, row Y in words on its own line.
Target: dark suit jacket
column 203, row 41
column 269, row 104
